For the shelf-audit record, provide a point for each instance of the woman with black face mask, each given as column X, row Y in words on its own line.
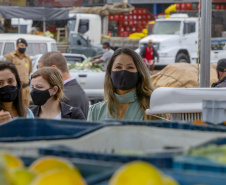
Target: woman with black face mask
column 11, row 103
column 127, row 89
column 47, row 92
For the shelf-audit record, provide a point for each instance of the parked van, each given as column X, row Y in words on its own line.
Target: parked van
column 36, row 44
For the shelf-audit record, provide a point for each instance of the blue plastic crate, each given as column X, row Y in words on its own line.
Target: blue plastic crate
column 45, row 129
column 97, row 172
column 187, row 178
column 170, row 125
column 198, row 164
column 218, row 141
column 194, row 178
column 195, row 163
column 161, row 160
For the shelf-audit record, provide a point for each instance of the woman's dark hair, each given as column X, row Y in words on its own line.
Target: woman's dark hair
column 18, row 102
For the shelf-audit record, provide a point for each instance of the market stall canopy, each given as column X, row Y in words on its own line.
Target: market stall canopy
column 34, row 13
column 117, row 8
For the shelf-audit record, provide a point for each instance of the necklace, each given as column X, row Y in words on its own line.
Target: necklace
column 122, row 110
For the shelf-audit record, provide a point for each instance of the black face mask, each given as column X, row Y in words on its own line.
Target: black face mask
column 40, row 97
column 124, row 79
column 8, row 93
column 22, row 50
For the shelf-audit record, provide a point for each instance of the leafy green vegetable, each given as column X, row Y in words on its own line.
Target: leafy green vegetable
column 86, row 65
column 213, row 152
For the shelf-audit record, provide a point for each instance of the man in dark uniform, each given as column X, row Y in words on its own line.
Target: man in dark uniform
column 221, row 73
column 23, row 64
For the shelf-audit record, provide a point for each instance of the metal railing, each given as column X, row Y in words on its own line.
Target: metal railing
column 186, row 116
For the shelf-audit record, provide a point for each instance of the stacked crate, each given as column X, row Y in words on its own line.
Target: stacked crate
column 123, row 25
column 195, row 6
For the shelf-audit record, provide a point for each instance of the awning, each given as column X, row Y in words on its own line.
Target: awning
column 34, row 13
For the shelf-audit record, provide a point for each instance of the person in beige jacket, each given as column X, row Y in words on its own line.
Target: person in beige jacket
column 23, row 64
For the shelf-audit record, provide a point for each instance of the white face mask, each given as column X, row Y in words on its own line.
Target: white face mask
column 105, row 50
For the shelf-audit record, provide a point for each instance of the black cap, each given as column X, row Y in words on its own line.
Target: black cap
column 21, row 40
column 221, row 65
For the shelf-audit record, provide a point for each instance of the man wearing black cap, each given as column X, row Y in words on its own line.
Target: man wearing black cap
column 23, row 64
column 221, row 73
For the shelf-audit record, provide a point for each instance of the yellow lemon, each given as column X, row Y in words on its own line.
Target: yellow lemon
column 45, row 164
column 11, row 161
column 169, row 181
column 59, row 177
column 21, row 176
column 4, row 176
column 137, row 172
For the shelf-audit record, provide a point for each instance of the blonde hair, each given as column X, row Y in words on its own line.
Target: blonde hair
column 150, row 41
column 54, row 78
column 144, row 86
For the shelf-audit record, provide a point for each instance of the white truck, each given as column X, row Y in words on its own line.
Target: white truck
column 92, row 27
column 176, row 40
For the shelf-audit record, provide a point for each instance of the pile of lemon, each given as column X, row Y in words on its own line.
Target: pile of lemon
column 52, row 170
column 44, row 171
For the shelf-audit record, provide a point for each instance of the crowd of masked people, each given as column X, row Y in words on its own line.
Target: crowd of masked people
column 57, row 95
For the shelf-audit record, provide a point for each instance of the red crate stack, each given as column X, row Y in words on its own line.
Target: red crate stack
column 219, row 6
column 111, row 17
column 134, row 17
column 149, row 16
column 131, row 23
column 128, row 28
column 178, row 6
column 126, row 33
column 116, row 17
column 126, row 17
column 139, row 17
column 121, row 29
column 135, row 21
column 186, row 6
column 126, row 23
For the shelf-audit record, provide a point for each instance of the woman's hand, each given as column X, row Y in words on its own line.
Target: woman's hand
column 4, row 116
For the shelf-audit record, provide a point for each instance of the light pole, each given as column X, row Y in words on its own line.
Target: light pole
column 206, row 15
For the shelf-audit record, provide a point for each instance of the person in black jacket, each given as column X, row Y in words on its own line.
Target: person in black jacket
column 149, row 53
column 75, row 95
column 221, row 73
column 47, row 93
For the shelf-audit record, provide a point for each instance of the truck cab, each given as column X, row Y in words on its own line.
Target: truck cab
column 89, row 25
column 175, row 38
column 85, row 34
column 78, row 44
